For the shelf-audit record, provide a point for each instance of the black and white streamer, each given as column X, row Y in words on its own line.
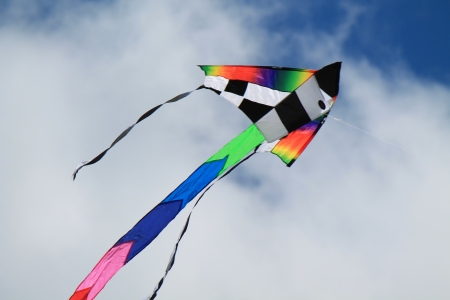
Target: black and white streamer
column 126, row 131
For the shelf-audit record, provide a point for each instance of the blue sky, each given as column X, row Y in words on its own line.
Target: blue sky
column 354, row 218
column 386, row 32
column 390, row 33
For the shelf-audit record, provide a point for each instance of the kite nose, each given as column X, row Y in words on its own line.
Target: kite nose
column 328, row 78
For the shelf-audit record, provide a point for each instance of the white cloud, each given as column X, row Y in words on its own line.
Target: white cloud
column 354, row 218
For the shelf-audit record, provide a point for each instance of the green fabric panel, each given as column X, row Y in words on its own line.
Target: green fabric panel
column 239, row 147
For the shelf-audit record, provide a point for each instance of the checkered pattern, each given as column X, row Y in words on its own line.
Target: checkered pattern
column 275, row 113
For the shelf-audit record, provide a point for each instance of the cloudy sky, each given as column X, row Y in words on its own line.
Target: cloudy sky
column 354, row 218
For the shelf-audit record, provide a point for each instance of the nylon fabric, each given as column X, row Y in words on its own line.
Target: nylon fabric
column 196, row 182
column 183, row 231
column 151, row 225
column 239, row 147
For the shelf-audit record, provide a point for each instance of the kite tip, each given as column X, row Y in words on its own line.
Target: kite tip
column 74, row 174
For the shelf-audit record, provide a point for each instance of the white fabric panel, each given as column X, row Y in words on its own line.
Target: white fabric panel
column 216, row 82
column 267, row 147
column 325, row 95
column 271, row 126
column 328, row 99
column 264, row 95
column 233, row 98
column 309, row 94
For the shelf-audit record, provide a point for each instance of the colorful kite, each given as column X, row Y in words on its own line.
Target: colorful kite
column 287, row 107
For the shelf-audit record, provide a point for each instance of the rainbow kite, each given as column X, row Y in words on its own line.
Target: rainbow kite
column 287, row 107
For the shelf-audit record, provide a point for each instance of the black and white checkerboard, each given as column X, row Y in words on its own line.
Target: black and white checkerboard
column 275, row 113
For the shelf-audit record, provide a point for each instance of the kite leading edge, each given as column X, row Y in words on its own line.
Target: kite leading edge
column 287, row 107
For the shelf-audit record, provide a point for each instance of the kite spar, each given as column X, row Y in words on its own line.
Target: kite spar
column 287, row 107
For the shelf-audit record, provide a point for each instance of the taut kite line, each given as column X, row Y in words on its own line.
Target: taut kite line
column 287, row 106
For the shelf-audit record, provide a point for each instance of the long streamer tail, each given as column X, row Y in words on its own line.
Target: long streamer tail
column 151, row 225
column 126, row 131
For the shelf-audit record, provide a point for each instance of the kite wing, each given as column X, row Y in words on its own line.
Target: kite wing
column 295, row 94
column 277, row 100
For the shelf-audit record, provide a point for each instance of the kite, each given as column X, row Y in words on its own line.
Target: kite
column 287, row 107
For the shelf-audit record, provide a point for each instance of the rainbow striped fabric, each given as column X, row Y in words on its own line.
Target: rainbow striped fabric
column 280, row 79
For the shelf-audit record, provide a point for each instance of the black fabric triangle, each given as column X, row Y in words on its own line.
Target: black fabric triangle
column 328, row 78
column 254, row 110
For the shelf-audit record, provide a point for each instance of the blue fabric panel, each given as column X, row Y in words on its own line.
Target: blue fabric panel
column 196, row 182
column 149, row 227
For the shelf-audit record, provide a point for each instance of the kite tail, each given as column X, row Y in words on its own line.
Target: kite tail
column 151, row 225
column 126, row 131
column 183, row 231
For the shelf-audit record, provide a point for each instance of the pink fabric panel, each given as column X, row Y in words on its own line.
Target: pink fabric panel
column 111, row 262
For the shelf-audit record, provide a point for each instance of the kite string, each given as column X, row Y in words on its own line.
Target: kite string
column 183, row 231
column 371, row 134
